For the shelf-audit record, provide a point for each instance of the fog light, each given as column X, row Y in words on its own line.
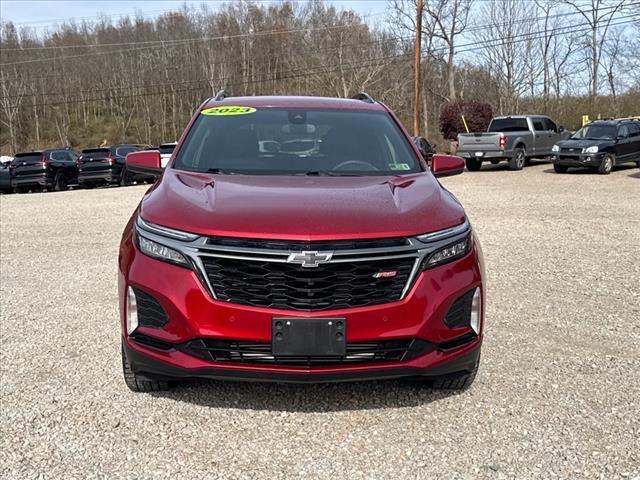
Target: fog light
column 132, row 311
column 474, row 320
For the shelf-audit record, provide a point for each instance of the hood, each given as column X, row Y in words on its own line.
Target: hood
column 300, row 207
column 580, row 143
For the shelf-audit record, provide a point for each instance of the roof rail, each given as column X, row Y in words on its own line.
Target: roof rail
column 365, row 97
column 221, row 95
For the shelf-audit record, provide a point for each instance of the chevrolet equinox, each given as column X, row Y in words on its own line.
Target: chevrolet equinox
column 299, row 239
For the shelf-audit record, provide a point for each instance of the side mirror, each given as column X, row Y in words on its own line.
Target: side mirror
column 145, row 161
column 446, row 165
column 561, row 129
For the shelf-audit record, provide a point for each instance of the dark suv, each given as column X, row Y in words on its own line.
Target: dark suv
column 105, row 165
column 339, row 258
column 51, row 169
column 602, row 144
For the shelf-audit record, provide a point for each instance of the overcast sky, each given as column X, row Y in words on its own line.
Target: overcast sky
column 42, row 13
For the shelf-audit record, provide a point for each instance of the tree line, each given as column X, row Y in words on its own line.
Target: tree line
column 136, row 79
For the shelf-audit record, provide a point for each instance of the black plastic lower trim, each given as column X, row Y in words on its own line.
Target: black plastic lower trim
column 154, row 369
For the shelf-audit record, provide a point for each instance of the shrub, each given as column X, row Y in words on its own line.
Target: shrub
column 477, row 114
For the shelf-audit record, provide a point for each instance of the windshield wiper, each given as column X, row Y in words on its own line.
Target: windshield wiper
column 219, row 171
column 328, row 173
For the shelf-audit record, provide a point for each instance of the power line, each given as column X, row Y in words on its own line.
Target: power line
column 528, row 36
column 162, row 43
column 307, row 72
column 165, row 43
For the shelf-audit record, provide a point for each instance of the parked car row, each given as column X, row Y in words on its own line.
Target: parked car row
column 56, row 169
column 601, row 144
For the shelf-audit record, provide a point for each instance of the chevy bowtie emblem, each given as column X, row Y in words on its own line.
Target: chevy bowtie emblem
column 310, row 259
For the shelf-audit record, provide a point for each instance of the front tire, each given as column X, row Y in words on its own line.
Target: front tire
column 560, row 168
column 136, row 383
column 518, row 160
column 473, row 164
column 606, row 165
column 456, row 381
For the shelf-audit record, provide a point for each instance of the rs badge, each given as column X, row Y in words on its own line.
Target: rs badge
column 389, row 274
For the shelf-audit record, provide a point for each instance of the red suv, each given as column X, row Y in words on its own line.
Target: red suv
column 299, row 239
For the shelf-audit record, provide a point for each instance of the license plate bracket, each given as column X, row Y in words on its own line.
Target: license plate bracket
column 309, row 337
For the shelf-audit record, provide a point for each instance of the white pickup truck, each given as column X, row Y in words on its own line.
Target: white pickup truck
column 515, row 138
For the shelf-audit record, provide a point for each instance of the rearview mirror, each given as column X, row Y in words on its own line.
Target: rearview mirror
column 446, row 165
column 145, row 161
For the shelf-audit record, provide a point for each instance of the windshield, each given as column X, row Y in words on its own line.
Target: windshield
column 596, row 132
column 124, row 151
column 274, row 141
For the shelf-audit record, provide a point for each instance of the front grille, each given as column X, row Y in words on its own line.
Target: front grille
column 300, row 245
column 150, row 312
column 260, row 353
column 292, row 287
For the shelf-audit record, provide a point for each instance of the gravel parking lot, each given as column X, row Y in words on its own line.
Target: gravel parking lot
column 557, row 395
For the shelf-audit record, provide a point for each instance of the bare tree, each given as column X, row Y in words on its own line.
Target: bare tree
column 598, row 15
column 507, row 39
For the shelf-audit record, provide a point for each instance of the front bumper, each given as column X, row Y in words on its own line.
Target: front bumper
column 177, row 365
column 194, row 314
column 581, row 160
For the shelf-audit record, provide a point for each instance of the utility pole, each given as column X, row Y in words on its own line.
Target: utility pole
column 417, row 96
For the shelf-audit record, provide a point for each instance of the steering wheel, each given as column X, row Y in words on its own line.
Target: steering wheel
column 367, row 166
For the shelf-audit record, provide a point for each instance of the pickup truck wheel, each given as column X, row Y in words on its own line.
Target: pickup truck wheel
column 60, row 182
column 473, row 164
column 606, row 165
column 560, row 168
column 136, row 383
column 518, row 160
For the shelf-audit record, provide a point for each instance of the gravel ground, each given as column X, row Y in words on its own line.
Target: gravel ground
column 557, row 395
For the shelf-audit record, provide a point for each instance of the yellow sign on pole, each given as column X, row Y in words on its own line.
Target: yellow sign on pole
column 585, row 120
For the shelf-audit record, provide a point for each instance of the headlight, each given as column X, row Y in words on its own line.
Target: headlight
column 448, row 253
column 593, row 149
column 447, row 245
column 161, row 252
column 555, row 148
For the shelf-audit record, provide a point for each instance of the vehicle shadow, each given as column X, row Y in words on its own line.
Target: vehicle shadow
column 591, row 171
column 305, row 398
column 504, row 166
column 635, row 175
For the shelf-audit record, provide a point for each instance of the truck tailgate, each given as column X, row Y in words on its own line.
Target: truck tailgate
column 481, row 142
